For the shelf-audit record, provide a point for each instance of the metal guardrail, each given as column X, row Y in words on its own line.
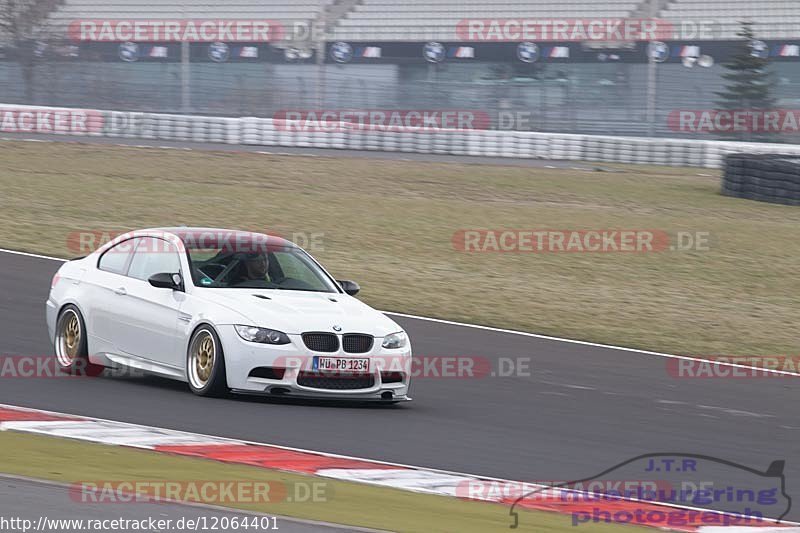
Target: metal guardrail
column 349, row 136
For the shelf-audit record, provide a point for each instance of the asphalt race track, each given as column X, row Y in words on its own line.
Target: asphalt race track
column 582, row 409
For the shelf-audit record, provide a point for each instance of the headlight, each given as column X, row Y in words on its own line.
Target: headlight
column 262, row 335
column 395, row 340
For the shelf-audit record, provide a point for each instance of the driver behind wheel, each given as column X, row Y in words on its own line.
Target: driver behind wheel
column 253, row 267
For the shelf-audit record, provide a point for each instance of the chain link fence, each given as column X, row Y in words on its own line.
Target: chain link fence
column 609, row 98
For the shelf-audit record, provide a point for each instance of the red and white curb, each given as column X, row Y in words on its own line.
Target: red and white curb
column 396, row 476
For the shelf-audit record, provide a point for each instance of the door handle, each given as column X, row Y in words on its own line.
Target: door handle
column 120, row 291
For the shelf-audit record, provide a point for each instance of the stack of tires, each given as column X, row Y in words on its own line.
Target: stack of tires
column 768, row 177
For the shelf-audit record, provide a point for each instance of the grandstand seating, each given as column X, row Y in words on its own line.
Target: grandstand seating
column 426, row 19
column 283, row 10
column 382, row 20
column 773, row 19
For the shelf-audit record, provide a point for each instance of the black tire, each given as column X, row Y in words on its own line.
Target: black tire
column 203, row 381
column 71, row 344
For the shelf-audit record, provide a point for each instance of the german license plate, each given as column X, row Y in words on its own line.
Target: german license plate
column 341, row 364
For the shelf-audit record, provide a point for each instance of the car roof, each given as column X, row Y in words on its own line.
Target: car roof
column 197, row 234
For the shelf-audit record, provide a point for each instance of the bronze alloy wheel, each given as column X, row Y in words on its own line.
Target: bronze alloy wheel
column 68, row 338
column 202, row 357
column 205, row 364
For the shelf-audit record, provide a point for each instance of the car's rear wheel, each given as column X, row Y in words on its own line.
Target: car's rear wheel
column 205, row 364
column 71, row 345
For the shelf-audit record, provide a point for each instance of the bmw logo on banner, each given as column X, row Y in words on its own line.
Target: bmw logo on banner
column 219, row 52
column 759, row 49
column 528, row 52
column 341, row 52
column 659, row 51
column 129, row 51
column 787, row 50
column 434, row 52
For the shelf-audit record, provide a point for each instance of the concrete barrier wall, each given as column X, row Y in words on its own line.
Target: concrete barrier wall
column 270, row 132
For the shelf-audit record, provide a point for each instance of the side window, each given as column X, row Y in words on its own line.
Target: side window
column 153, row 256
column 115, row 259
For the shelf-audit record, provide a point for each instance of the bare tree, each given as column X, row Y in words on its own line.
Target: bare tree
column 22, row 22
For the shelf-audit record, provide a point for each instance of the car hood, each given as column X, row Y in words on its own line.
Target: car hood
column 295, row 312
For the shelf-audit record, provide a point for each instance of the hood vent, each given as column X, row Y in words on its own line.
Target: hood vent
column 262, row 297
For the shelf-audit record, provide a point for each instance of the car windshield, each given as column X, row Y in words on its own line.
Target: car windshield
column 275, row 267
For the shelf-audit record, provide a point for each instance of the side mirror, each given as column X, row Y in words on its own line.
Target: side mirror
column 349, row 287
column 165, row 280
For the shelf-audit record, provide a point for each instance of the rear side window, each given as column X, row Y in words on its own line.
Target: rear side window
column 115, row 259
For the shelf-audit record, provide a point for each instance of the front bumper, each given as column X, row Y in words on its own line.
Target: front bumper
column 301, row 380
column 51, row 314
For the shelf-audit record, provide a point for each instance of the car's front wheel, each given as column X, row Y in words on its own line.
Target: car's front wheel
column 205, row 364
column 71, row 344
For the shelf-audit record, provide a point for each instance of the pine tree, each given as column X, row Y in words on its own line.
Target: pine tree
column 750, row 82
column 21, row 23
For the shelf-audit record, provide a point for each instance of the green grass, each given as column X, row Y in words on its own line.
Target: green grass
column 352, row 504
column 389, row 224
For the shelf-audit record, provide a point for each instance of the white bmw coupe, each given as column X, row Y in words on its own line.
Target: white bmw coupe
column 225, row 311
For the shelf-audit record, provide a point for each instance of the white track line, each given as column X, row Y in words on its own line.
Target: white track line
column 527, row 334
column 592, row 344
column 27, row 254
